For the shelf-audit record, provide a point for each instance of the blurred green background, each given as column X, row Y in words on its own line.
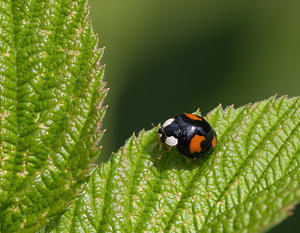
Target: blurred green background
column 169, row 57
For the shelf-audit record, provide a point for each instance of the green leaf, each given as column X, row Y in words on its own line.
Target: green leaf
column 51, row 94
column 248, row 184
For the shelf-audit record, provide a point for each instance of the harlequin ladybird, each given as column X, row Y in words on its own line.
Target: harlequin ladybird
column 190, row 134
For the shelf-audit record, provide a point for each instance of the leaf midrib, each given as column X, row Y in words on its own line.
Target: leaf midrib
column 151, row 192
column 199, row 173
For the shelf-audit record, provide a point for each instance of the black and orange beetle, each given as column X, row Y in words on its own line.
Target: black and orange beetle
column 190, row 134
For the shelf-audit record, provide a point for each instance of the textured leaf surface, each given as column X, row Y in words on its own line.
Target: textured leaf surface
column 51, row 92
column 248, row 184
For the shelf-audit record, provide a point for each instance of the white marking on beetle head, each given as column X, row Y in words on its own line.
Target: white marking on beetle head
column 171, row 141
column 168, row 122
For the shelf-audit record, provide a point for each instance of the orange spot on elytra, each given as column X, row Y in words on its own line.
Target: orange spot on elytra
column 193, row 117
column 195, row 144
column 214, row 142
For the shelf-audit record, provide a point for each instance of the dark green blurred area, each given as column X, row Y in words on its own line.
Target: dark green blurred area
column 170, row 57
